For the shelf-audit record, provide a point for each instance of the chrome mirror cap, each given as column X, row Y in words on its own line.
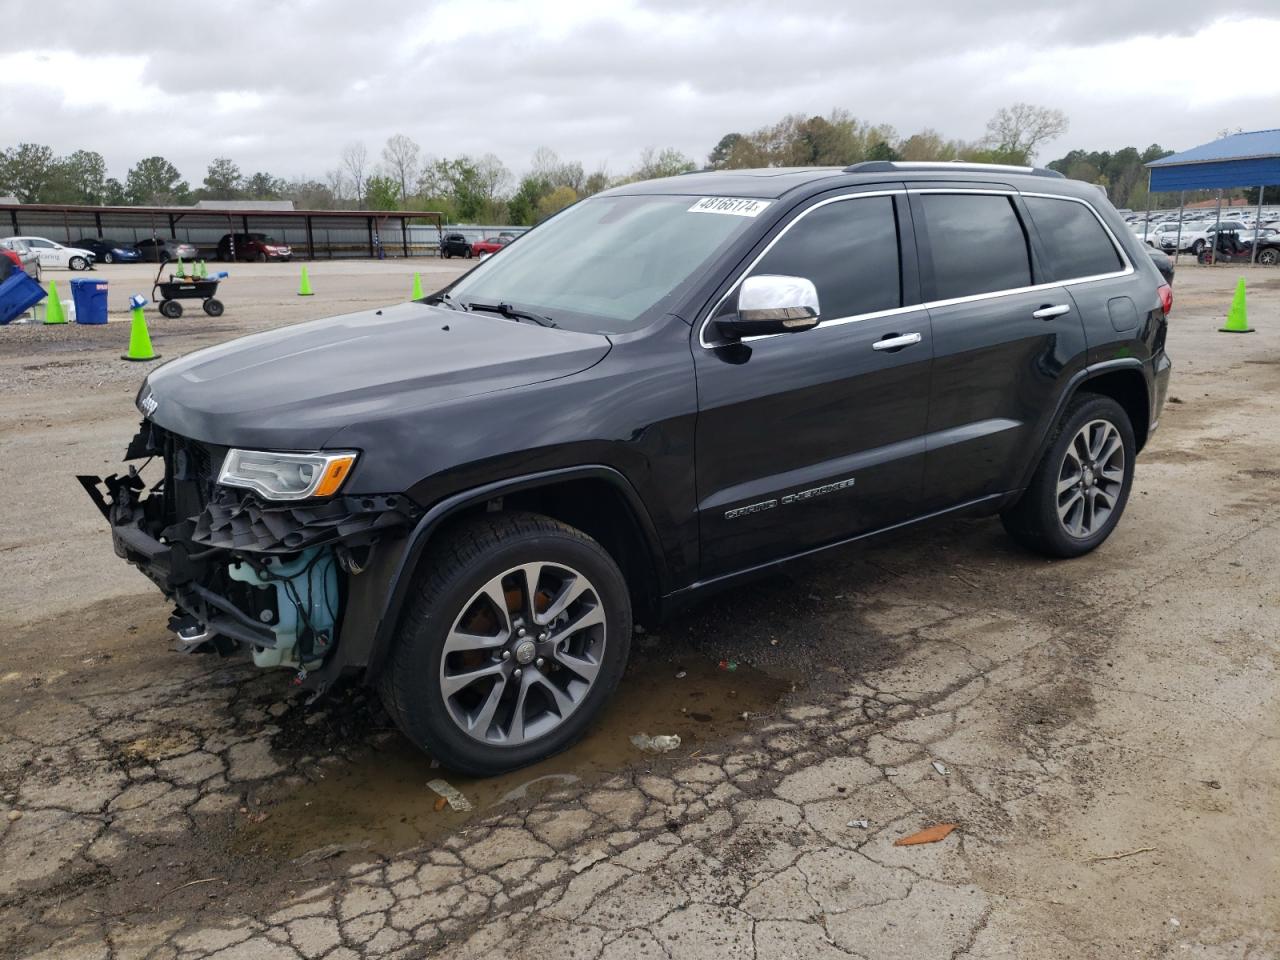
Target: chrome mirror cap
column 770, row 303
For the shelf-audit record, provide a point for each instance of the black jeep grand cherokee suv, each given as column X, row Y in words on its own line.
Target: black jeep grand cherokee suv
column 664, row 388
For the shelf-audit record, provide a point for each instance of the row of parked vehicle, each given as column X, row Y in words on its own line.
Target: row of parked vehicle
column 1197, row 236
column 457, row 245
column 82, row 254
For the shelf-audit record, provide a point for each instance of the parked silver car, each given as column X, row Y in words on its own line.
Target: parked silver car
column 30, row 259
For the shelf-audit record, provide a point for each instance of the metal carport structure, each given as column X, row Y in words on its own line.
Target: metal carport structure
column 367, row 231
column 1239, row 160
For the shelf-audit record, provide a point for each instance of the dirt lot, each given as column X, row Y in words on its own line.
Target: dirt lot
column 1106, row 731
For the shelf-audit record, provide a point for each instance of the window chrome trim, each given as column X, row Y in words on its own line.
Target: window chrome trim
column 929, row 304
column 706, row 321
column 1115, row 242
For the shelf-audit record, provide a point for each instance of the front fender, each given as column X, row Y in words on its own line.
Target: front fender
column 369, row 629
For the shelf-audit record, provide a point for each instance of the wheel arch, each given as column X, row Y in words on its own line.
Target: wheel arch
column 1122, row 380
column 596, row 499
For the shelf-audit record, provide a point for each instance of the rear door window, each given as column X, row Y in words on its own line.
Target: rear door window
column 1073, row 238
column 849, row 249
column 977, row 244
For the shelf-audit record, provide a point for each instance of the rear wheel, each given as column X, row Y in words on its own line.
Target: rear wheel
column 261, row 257
column 1079, row 490
column 108, row 257
column 517, row 636
column 213, row 307
column 1269, row 256
column 171, row 309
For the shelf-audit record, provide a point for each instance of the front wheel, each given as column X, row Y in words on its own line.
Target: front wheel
column 213, row 307
column 1079, row 490
column 517, row 636
column 78, row 263
column 171, row 309
column 1197, row 247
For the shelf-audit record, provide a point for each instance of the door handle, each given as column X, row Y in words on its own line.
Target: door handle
column 897, row 341
column 1048, row 313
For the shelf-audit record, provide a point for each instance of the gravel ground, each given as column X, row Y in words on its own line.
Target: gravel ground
column 1104, row 732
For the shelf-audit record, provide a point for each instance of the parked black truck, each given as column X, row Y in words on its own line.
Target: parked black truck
column 668, row 387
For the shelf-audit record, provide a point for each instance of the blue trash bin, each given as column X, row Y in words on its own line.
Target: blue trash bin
column 18, row 294
column 90, row 298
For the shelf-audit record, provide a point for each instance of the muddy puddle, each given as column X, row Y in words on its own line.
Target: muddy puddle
column 377, row 800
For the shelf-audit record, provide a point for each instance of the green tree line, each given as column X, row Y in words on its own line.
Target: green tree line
column 481, row 189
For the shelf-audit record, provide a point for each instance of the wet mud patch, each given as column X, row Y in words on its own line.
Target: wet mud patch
column 366, row 789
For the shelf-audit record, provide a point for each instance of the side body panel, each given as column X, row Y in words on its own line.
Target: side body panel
column 808, row 438
column 998, row 371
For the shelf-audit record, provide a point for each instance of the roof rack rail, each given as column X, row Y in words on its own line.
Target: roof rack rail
column 898, row 166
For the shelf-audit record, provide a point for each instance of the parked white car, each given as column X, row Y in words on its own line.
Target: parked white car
column 56, row 255
column 1196, row 236
column 1162, row 232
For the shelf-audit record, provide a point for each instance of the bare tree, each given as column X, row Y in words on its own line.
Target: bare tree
column 336, row 181
column 355, row 163
column 402, row 159
column 1023, row 127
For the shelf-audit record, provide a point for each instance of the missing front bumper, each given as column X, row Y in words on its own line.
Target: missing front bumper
column 242, row 571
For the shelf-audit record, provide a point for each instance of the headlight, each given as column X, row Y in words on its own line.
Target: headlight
column 286, row 476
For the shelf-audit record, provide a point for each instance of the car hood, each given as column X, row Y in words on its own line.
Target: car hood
column 294, row 387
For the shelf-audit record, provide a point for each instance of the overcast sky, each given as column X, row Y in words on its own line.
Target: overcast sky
column 282, row 87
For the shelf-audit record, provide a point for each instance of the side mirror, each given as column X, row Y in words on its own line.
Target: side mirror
column 769, row 303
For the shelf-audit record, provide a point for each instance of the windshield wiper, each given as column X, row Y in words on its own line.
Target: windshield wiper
column 444, row 300
column 510, row 312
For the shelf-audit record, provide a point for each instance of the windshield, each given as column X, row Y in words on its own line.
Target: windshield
column 601, row 265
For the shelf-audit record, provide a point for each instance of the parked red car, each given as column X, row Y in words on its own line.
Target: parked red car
column 489, row 245
column 253, row 246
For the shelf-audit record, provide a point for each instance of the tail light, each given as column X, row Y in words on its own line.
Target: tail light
column 1166, row 298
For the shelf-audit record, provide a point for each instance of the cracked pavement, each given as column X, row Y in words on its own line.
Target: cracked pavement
column 1104, row 732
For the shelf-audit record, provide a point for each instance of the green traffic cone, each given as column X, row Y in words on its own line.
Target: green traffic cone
column 139, row 339
column 1238, row 315
column 304, row 287
column 417, row 287
column 181, row 272
column 53, row 312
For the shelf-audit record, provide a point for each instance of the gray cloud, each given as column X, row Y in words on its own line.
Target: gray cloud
column 284, row 87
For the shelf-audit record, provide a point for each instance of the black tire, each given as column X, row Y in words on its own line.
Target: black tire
column 1034, row 521
column 77, row 263
column 108, row 257
column 465, row 559
column 171, row 309
column 1197, row 247
column 213, row 307
column 470, row 254
column 448, row 255
column 1268, row 257
column 261, row 257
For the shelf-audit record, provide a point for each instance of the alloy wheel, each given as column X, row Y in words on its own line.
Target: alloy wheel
column 1090, row 478
column 523, row 654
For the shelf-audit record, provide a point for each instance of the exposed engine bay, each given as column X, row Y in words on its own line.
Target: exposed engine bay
column 274, row 577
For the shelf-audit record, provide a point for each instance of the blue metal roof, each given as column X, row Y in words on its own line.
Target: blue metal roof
column 1240, row 160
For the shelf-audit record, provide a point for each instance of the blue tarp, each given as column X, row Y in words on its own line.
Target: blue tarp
column 1240, row 160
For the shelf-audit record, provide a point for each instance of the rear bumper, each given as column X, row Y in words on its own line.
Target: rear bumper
column 1162, row 369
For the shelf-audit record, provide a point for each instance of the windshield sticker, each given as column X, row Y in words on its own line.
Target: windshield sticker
column 730, row 205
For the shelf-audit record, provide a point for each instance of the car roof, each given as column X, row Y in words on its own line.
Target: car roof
column 775, row 182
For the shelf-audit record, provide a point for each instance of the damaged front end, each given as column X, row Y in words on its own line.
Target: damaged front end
column 289, row 579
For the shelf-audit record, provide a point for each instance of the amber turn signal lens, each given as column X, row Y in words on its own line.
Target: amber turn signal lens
column 334, row 474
